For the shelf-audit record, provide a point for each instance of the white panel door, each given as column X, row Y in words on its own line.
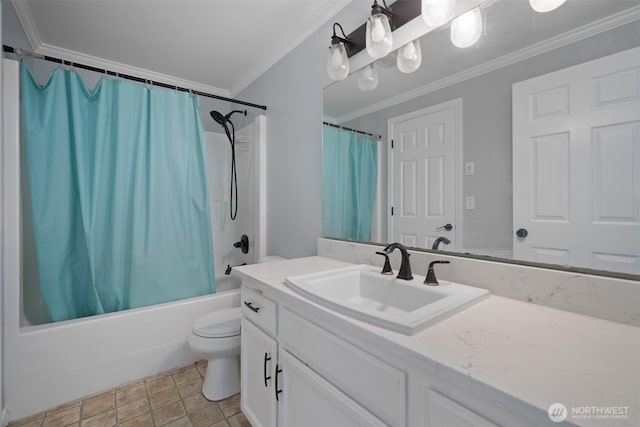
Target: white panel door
column 423, row 172
column 258, row 353
column 576, row 158
column 309, row 400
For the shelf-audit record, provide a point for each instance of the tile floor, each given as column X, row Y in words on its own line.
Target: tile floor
column 171, row 399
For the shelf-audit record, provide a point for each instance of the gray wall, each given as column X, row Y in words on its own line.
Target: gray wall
column 292, row 90
column 487, row 130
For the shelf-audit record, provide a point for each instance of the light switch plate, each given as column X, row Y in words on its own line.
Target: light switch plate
column 469, row 168
column 470, row 203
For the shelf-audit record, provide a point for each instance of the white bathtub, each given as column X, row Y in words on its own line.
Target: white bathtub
column 60, row 362
column 53, row 363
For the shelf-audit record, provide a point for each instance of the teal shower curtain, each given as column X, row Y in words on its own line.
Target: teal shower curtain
column 118, row 190
column 349, row 176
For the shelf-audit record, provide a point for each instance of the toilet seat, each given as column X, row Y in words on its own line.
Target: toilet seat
column 219, row 324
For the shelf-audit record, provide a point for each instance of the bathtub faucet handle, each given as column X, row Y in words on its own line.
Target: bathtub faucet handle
column 243, row 244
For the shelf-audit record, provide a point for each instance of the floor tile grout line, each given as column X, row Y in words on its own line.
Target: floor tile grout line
column 143, row 381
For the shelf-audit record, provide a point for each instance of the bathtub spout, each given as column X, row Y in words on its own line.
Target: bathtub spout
column 229, row 268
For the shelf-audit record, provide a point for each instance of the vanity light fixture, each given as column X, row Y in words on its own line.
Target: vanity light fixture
column 337, row 58
column 409, row 57
column 379, row 40
column 376, row 35
column 437, row 12
column 466, row 29
column 545, row 5
column 368, row 78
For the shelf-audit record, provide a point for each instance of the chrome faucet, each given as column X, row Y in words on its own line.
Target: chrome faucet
column 405, row 265
column 439, row 240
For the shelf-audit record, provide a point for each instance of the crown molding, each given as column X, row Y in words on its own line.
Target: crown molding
column 304, row 30
column 329, row 119
column 28, row 23
column 94, row 61
column 577, row 34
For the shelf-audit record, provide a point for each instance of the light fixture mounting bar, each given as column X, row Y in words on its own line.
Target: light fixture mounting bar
column 403, row 12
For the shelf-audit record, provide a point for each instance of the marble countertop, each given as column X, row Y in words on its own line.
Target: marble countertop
column 537, row 354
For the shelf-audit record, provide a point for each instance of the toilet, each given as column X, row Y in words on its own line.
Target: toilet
column 216, row 337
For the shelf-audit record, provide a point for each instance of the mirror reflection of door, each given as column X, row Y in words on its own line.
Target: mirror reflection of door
column 423, row 171
column 576, row 155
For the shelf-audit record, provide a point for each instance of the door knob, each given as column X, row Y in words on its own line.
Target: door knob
column 446, row 227
column 522, row 233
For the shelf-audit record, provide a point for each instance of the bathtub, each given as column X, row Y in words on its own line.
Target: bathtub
column 48, row 364
column 60, row 362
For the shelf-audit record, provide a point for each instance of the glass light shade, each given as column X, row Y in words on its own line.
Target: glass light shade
column 437, row 12
column 337, row 62
column 466, row 29
column 378, row 36
column 388, row 61
column 545, row 5
column 410, row 57
column 368, row 78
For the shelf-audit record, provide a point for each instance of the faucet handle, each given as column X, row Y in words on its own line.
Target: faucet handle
column 386, row 270
column 431, row 279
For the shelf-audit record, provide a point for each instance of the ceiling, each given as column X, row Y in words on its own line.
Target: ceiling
column 217, row 46
column 513, row 32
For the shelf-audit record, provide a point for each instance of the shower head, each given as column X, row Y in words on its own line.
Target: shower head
column 219, row 118
column 223, row 120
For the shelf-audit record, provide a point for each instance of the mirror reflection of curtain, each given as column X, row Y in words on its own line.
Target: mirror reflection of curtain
column 119, row 194
column 349, row 173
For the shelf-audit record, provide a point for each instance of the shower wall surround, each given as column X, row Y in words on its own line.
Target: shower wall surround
column 602, row 297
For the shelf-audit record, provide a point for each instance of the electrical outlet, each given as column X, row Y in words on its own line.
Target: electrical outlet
column 469, row 168
column 470, row 203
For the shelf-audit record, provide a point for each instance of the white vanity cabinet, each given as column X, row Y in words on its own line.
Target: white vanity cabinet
column 442, row 411
column 258, row 358
column 259, row 353
column 298, row 371
column 309, row 400
column 280, row 389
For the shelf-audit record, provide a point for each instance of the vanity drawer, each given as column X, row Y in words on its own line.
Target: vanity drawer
column 260, row 310
column 372, row 383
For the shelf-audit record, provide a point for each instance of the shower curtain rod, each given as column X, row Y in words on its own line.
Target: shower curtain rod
column 21, row 52
column 353, row 130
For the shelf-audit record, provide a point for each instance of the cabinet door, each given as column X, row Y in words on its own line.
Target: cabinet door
column 444, row 412
column 259, row 354
column 309, row 400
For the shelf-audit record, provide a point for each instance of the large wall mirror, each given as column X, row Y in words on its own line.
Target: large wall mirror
column 524, row 146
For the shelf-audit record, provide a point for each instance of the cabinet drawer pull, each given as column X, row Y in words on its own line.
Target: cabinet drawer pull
column 251, row 307
column 266, row 359
column 276, row 387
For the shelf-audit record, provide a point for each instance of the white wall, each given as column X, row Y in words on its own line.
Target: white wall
column 225, row 231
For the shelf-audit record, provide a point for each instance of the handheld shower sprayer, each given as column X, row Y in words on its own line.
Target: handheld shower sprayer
column 225, row 121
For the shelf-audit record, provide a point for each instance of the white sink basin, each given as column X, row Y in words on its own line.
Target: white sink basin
column 405, row 306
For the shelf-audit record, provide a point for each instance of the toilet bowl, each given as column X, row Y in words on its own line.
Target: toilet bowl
column 216, row 337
